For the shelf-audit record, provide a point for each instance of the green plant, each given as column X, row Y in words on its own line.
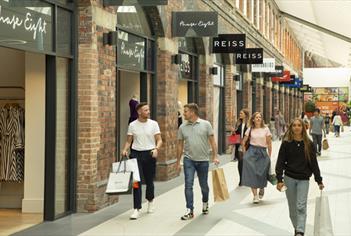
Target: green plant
column 310, row 106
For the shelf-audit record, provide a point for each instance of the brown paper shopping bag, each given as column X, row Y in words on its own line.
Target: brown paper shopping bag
column 220, row 189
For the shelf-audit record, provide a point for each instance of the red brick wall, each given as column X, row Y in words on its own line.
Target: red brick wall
column 96, row 113
column 167, row 104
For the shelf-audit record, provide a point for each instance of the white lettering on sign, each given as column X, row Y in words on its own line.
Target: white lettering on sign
column 135, row 52
column 199, row 24
column 29, row 24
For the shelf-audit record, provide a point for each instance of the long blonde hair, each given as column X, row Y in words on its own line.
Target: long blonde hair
column 289, row 136
column 252, row 120
column 247, row 117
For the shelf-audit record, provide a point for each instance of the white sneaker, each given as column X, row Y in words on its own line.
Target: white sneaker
column 256, row 199
column 135, row 215
column 150, row 207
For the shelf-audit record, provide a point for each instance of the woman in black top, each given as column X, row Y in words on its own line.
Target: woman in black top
column 240, row 128
column 296, row 162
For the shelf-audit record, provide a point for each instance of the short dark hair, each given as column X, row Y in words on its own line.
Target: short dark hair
column 317, row 110
column 193, row 107
column 140, row 105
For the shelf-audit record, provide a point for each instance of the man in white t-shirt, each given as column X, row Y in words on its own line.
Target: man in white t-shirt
column 144, row 138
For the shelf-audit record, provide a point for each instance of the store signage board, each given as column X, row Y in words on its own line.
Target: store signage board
column 135, row 2
column 26, row 27
column 195, row 24
column 296, row 83
column 131, row 50
column 268, row 65
column 304, row 88
column 284, row 78
column 249, row 56
column 228, row 43
column 278, row 72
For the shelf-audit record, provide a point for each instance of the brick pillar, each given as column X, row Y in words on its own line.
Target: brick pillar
column 96, row 108
column 259, row 95
column 205, row 89
column 286, row 105
column 275, row 90
column 247, row 91
column 268, row 95
column 167, row 107
column 230, row 97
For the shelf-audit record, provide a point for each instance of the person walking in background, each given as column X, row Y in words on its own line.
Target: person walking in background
column 197, row 134
column 316, row 130
column 256, row 160
column 295, row 164
column 240, row 128
column 337, row 123
column 305, row 120
column 144, row 137
column 279, row 124
column 327, row 123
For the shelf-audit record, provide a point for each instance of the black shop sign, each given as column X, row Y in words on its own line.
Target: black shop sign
column 228, row 43
column 26, row 27
column 249, row 56
column 194, row 24
column 131, row 50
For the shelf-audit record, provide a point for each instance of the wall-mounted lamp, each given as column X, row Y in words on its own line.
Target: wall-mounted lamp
column 109, row 38
column 213, row 70
column 176, row 59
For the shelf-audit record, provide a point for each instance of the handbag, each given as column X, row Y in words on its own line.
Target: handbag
column 120, row 182
column 247, row 144
column 272, row 178
column 220, row 189
column 325, row 144
column 234, row 139
column 322, row 220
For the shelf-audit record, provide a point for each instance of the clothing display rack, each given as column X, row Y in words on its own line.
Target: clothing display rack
column 11, row 138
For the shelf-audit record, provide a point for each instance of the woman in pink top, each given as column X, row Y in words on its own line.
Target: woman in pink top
column 256, row 161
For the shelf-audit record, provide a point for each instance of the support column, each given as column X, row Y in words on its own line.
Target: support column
column 167, row 107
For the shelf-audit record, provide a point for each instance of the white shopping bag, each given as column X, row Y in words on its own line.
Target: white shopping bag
column 131, row 165
column 322, row 220
column 120, row 183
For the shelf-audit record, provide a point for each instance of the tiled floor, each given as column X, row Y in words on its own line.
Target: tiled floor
column 237, row 216
column 12, row 220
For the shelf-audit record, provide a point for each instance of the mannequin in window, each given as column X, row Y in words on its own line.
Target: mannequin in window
column 180, row 117
column 133, row 102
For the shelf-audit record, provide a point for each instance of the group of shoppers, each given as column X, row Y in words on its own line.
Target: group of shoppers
column 296, row 162
column 196, row 144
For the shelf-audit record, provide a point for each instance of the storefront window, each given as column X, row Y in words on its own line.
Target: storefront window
column 62, row 108
column 32, row 27
column 131, row 50
column 64, row 23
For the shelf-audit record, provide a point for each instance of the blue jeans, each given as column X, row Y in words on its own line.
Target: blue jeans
column 201, row 168
column 296, row 193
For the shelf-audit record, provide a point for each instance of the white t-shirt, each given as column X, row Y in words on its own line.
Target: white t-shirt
column 143, row 134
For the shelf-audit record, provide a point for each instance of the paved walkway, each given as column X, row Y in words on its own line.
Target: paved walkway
column 237, row 216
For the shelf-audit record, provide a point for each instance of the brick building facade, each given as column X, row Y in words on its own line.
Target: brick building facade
column 98, row 89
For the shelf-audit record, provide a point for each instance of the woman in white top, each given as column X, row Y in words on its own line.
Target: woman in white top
column 337, row 122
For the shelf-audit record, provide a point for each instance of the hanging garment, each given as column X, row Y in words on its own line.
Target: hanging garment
column 12, row 144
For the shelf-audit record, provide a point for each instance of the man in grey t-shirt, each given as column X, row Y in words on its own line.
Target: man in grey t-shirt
column 316, row 130
column 197, row 135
